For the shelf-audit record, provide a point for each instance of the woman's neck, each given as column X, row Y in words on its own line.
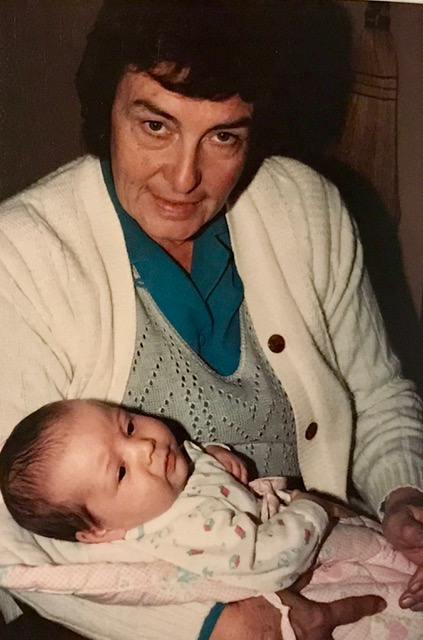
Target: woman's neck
column 180, row 251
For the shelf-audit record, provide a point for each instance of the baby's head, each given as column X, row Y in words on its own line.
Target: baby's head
column 89, row 471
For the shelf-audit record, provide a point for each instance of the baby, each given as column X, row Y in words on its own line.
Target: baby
column 90, row 471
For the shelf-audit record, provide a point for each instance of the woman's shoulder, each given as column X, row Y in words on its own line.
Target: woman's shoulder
column 64, row 209
column 291, row 176
column 290, row 205
column 290, row 168
column 293, row 191
column 55, row 221
column 51, row 192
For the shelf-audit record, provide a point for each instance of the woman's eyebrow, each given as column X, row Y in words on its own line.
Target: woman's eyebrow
column 147, row 104
column 243, row 121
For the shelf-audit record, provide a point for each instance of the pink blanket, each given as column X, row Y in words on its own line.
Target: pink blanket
column 355, row 560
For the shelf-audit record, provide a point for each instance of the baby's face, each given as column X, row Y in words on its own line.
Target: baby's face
column 126, row 469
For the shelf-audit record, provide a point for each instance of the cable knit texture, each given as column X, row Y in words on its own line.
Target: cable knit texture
column 67, row 310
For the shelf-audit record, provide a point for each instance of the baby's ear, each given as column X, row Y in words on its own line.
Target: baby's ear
column 95, row 534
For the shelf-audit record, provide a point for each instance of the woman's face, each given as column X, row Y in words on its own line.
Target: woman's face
column 175, row 160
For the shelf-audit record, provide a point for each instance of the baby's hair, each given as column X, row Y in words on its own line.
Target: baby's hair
column 25, row 472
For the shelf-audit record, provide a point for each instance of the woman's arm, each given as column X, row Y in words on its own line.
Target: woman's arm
column 257, row 619
column 388, row 445
column 388, row 449
column 253, row 619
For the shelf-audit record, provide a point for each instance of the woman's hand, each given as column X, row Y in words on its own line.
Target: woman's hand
column 316, row 620
column 403, row 528
column 257, row 619
column 230, row 461
column 333, row 509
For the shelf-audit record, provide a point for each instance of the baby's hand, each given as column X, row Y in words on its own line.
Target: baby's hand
column 230, row 461
column 333, row 509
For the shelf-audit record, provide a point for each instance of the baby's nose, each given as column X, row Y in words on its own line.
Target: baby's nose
column 145, row 448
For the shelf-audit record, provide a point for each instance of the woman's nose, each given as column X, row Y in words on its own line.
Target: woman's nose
column 185, row 172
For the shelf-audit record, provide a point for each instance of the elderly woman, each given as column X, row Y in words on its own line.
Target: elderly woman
column 158, row 272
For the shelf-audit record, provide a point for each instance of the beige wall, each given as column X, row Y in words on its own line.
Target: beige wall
column 407, row 28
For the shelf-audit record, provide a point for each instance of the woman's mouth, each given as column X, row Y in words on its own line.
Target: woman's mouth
column 176, row 207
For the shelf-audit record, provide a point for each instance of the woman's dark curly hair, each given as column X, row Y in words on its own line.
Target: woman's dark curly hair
column 223, row 48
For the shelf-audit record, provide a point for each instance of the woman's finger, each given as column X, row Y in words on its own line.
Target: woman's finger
column 312, row 620
column 352, row 609
column 302, row 582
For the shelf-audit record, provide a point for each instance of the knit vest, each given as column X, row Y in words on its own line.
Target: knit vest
column 247, row 410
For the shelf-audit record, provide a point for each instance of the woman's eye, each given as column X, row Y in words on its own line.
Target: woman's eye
column 225, row 137
column 155, row 126
column 130, row 428
column 122, row 473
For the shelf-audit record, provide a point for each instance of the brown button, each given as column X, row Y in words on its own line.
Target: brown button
column 311, row 431
column 276, row 343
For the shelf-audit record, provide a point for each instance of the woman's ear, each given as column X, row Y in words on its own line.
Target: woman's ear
column 95, row 534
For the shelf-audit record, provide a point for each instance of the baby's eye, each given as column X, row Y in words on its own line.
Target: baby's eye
column 130, row 428
column 122, row 473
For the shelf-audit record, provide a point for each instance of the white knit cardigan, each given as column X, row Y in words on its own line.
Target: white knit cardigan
column 67, row 314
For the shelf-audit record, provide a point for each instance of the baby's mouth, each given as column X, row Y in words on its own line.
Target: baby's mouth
column 169, row 461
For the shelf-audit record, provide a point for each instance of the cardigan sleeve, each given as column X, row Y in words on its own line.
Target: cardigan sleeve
column 388, row 439
column 34, row 369
column 308, row 283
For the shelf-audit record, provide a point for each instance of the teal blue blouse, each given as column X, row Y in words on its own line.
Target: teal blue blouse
column 203, row 306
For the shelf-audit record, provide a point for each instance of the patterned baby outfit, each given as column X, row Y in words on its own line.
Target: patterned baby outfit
column 214, row 529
